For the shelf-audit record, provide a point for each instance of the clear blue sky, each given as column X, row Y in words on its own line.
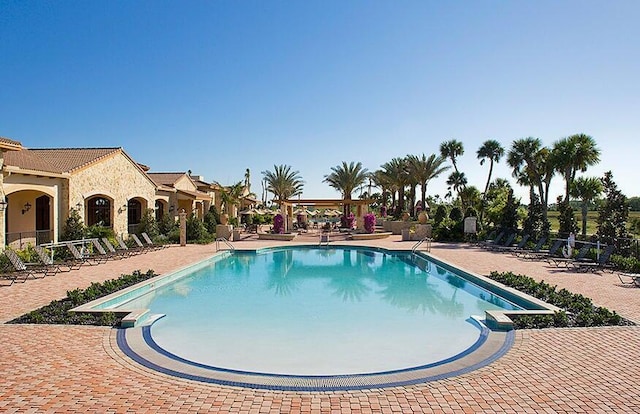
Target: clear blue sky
column 220, row 86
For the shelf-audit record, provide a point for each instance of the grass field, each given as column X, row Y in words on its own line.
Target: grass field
column 592, row 221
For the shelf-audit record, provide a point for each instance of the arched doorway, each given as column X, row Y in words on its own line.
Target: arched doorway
column 134, row 215
column 99, row 211
column 159, row 210
column 43, row 220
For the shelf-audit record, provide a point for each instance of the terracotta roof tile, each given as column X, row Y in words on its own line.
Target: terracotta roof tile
column 57, row 160
column 165, row 178
column 11, row 144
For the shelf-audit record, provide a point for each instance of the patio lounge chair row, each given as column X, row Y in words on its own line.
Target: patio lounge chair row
column 98, row 253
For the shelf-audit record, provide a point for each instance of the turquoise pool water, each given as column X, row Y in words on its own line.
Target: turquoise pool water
column 318, row 311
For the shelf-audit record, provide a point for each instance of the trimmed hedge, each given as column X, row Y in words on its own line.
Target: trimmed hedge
column 578, row 310
column 57, row 312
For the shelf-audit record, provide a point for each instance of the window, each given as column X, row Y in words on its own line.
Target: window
column 99, row 212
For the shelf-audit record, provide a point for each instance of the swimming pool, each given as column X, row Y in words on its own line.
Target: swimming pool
column 317, row 312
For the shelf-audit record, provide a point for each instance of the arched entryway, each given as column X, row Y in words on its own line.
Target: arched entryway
column 99, row 211
column 134, row 215
column 161, row 209
column 28, row 218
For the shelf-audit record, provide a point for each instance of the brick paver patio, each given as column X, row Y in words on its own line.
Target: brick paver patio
column 80, row 369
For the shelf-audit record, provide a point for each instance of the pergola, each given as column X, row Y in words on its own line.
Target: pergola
column 287, row 207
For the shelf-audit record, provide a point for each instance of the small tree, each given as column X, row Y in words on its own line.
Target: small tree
column 566, row 218
column 148, row 224
column 166, row 225
column 440, row 214
column 509, row 219
column 613, row 215
column 195, row 228
column 536, row 223
column 74, row 228
column 210, row 220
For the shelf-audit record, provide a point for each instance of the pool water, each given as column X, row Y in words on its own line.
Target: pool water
column 318, row 311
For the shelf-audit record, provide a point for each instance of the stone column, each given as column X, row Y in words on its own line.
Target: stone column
column 4, row 206
column 183, row 228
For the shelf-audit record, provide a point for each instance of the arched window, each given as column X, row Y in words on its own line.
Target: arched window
column 99, row 211
column 134, row 209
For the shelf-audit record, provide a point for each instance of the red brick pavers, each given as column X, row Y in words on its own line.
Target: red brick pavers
column 79, row 369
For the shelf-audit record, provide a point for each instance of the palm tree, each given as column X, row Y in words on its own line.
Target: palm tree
column 424, row 169
column 586, row 189
column 398, row 174
column 452, row 149
column 457, row 181
column 379, row 179
column 574, row 153
column 522, row 159
column 230, row 196
column 282, row 182
column 346, row 178
column 490, row 150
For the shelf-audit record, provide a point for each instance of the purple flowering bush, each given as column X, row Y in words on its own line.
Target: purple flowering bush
column 278, row 224
column 383, row 211
column 369, row 222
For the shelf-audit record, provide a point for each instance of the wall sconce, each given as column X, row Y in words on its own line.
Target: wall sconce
column 78, row 206
column 3, row 204
column 172, row 208
column 123, row 208
column 26, row 208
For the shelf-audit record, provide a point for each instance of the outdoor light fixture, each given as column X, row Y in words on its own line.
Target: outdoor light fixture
column 26, row 208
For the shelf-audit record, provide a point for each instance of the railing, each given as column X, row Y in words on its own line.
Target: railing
column 225, row 241
column 21, row 239
column 324, row 239
column 426, row 240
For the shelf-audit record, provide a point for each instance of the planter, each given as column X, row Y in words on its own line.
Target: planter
column 370, row 236
column 276, row 236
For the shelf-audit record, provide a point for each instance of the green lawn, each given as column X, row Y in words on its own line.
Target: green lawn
column 592, row 221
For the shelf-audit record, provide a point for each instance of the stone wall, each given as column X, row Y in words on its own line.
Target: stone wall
column 118, row 179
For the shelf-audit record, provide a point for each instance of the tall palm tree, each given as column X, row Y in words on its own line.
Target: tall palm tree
column 346, row 178
column 458, row 182
column 231, row 195
column 424, row 169
column 398, row 173
column 282, row 182
column 522, row 159
column 586, row 189
column 490, row 150
column 573, row 154
column 452, row 149
column 381, row 180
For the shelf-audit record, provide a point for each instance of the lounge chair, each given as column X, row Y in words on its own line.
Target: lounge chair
column 536, row 249
column 108, row 255
column 629, row 279
column 132, row 250
column 568, row 261
column 544, row 254
column 507, row 242
column 112, row 250
column 48, row 261
column 84, row 258
column 143, row 247
column 513, row 248
column 9, row 276
column 601, row 263
column 150, row 242
column 33, row 270
column 492, row 242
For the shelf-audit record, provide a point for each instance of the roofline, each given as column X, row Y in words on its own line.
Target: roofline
column 17, row 170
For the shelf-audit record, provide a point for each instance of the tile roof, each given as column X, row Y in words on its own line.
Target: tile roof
column 57, row 160
column 10, row 144
column 165, row 178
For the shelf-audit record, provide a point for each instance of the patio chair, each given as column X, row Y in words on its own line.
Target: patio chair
column 83, row 258
column 491, row 242
column 567, row 261
column 144, row 247
column 123, row 246
column 601, row 263
column 113, row 250
column 553, row 250
column 33, row 270
column 115, row 255
column 46, row 260
column 512, row 248
column 150, row 242
column 536, row 249
column 507, row 242
column 9, row 276
column 629, row 279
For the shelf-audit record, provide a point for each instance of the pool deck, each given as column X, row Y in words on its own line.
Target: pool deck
column 79, row 369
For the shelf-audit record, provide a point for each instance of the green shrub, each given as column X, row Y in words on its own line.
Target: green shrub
column 57, row 312
column 577, row 310
column 148, row 224
column 98, row 232
column 166, row 224
column 74, row 228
